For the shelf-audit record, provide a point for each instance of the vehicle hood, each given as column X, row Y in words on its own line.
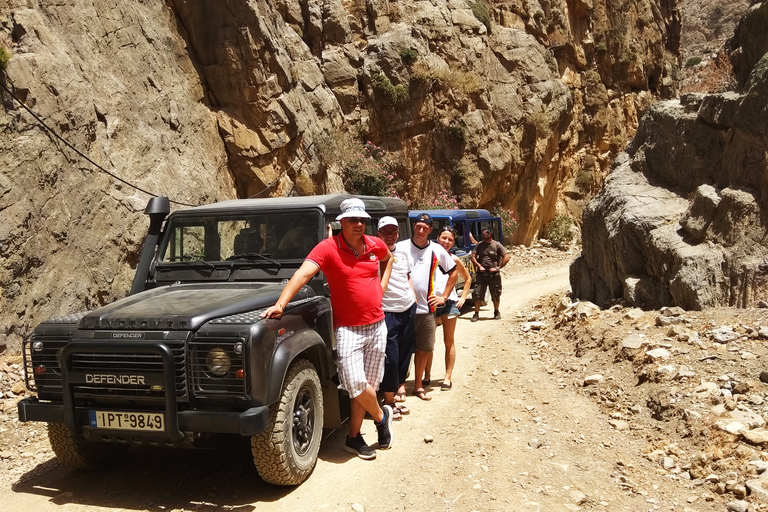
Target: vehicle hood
column 184, row 306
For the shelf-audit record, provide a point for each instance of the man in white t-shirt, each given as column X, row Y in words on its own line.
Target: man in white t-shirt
column 426, row 258
column 399, row 305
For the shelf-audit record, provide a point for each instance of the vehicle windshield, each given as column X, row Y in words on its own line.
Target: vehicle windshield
column 265, row 238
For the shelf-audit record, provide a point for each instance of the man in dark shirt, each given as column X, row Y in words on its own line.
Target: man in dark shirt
column 489, row 257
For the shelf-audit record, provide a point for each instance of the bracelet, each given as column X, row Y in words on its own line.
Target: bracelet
column 280, row 306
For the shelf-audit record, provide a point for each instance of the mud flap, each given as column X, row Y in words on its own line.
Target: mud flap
column 335, row 405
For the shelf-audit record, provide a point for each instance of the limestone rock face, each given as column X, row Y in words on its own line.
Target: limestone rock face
column 117, row 83
column 682, row 217
column 750, row 41
column 267, row 90
column 522, row 106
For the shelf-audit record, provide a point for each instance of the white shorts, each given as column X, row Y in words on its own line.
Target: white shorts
column 361, row 352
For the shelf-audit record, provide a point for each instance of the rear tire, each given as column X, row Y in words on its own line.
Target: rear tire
column 286, row 452
column 77, row 452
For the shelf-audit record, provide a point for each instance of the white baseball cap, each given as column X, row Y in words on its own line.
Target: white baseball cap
column 352, row 207
column 388, row 221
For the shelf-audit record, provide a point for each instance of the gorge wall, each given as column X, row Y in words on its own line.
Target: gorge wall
column 523, row 105
column 683, row 215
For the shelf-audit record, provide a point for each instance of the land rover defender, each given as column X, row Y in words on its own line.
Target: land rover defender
column 186, row 355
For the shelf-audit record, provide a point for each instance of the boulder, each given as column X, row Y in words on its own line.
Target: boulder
column 645, row 242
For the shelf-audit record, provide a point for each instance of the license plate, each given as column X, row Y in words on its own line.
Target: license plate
column 116, row 420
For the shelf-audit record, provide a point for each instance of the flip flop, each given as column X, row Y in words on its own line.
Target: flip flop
column 396, row 414
column 446, row 386
column 426, row 382
column 403, row 410
column 420, row 393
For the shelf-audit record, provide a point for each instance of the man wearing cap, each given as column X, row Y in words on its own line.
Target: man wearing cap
column 399, row 304
column 351, row 262
column 489, row 257
column 426, row 258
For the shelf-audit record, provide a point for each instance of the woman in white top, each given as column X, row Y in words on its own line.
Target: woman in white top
column 452, row 309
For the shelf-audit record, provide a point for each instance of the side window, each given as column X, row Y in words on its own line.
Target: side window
column 474, row 230
column 437, row 227
column 294, row 235
column 187, row 244
column 460, row 240
column 485, row 224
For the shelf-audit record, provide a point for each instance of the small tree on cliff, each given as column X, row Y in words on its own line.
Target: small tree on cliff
column 367, row 169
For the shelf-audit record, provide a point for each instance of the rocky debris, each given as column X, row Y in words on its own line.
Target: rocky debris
column 593, row 379
column 684, row 387
column 12, row 384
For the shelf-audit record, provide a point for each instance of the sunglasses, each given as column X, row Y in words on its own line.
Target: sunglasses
column 355, row 220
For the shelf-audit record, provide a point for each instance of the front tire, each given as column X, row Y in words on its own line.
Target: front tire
column 77, row 452
column 286, row 452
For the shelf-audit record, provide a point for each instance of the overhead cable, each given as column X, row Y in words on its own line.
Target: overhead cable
column 73, row 148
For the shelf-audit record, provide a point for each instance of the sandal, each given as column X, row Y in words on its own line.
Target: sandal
column 420, row 393
column 446, row 386
column 426, row 382
column 403, row 409
column 396, row 414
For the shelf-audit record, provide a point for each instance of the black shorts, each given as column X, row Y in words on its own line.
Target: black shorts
column 488, row 280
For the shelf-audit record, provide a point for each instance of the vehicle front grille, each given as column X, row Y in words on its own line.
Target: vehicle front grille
column 122, row 367
column 43, row 372
column 204, row 383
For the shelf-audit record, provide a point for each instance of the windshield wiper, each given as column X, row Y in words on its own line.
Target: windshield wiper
column 255, row 256
column 196, row 262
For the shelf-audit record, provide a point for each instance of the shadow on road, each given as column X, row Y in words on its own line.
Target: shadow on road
column 166, row 479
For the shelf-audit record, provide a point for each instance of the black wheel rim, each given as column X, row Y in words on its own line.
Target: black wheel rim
column 303, row 421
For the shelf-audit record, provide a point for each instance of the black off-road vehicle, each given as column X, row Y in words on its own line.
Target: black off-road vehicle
column 186, row 355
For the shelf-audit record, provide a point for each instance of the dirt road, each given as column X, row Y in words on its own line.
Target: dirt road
column 508, row 436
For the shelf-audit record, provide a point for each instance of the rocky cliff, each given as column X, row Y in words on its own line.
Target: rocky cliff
column 517, row 103
column 682, row 218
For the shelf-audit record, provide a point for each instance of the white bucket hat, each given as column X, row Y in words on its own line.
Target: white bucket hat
column 353, row 207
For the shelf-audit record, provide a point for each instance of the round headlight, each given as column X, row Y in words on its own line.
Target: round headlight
column 218, row 362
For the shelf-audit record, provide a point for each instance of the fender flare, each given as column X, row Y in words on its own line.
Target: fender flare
column 305, row 344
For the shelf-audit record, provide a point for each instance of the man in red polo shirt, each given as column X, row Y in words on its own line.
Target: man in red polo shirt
column 351, row 262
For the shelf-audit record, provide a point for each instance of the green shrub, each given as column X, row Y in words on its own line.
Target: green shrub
column 584, row 179
column 456, row 133
column 586, row 172
column 541, row 121
column 601, row 47
column 458, row 171
column 509, row 223
column 693, row 61
column 395, row 94
column 483, row 13
column 367, row 169
column 5, row 56
column 297, row 29
column 558, row 231
column 408, row 54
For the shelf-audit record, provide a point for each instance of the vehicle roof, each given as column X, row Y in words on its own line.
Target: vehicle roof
column 330, row 203
column 471, row 213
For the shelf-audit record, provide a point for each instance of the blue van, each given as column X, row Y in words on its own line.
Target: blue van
column 469, row 223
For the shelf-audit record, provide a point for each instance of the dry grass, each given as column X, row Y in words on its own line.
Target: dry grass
column 716, row 76
column 462, row 82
